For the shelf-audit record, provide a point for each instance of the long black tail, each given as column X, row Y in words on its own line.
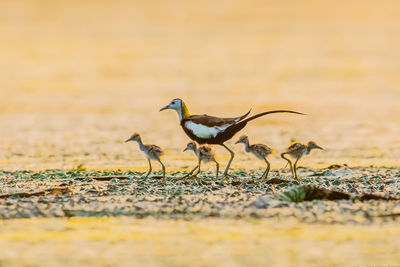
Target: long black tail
column 268, row 112
column 233, row 129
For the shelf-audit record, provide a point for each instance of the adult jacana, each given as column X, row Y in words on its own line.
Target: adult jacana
column 205, row 129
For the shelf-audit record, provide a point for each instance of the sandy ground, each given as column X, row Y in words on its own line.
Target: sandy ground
column 81, row 193
column 80, row 220
column 147, row 242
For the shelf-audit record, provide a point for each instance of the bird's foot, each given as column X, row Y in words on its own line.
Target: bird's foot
column 189, row 174
column 262, row 179
column 186, row 177
column 145, row 175
column 226, row 175
column 193, row 176
column 180, row 178
column 224, row 178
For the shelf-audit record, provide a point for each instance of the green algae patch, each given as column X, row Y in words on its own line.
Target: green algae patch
column 332, row 195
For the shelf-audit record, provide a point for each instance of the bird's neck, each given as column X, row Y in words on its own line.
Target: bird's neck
column 141, row 146
column 196, row 150
column 246, row 146
column 183, row 112
column 308, row 150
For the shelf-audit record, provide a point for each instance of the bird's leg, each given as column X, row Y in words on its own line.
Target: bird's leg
column 291, row 169
column 287, row 163
column 229, row 163
column 198, row 170
column 150, row 169
column 217, row 166
column 290, row 163
column 295, row 167
column 190, row 173
column 265, row 174
column 196, row 173
column 163, row 169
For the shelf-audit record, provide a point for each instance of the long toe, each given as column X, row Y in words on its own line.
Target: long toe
column 265, row 177
column 224, row 175
column 184, row 176
column 145, row 177
column 295, row 174
column 192, row 176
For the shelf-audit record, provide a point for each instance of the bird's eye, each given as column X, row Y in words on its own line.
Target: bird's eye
column 173, row 103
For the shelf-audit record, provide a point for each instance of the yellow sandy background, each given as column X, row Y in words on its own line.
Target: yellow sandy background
column 150, row 242
column 77, row 77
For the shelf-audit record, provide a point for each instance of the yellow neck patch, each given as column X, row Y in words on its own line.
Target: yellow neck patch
column 184, row 111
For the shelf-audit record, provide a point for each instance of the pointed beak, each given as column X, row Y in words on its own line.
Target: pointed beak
column 164, row 108
column 320, row 147
column 185, row 149
column 237, row 142
column 127, row 140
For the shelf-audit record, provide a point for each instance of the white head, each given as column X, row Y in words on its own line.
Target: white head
column 179, row 106
column 175, row 104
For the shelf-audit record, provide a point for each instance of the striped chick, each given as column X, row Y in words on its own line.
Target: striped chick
column 297, row 150
column 261, row 151
column 152, row 152
column 204, row 154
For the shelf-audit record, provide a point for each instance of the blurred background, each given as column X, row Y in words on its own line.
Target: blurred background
column 78, row 77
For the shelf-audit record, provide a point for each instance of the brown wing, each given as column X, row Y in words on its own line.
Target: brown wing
column 155, row 149
column 206, row 153
column 296, row 147
column 211, row 121
column 262, row 148
column 205, row 149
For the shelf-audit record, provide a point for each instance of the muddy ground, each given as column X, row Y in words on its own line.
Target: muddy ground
column 63, row 193
column 116, row 218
